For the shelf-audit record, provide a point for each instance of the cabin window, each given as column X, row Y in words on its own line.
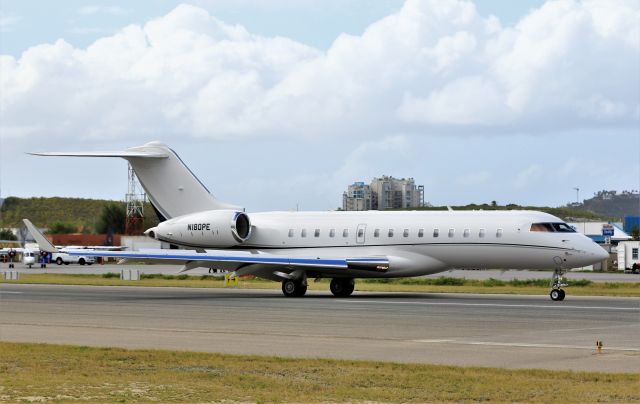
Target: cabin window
column 345, row 233
column 466, row 233
column 376, row 233
column 634, row 253
column 303, row 233
column 563, row 228
column 332, row 233
column 316, row 233
column 499, row 233
column 452, row 232
column 360, row 233
column 543, row 227
column 481, row 233
column 420, row 232
column 390, row 232
column 290, row 232
column 436, row 233
column 405, row 233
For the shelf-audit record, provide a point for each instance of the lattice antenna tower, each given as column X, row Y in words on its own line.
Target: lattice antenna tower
column 135, row 199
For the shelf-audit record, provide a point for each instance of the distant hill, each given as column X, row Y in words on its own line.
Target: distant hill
column 613, row 204
column 44, row 211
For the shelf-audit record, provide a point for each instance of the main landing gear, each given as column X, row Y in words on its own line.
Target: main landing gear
column 294, row 287
column 557, row 293
column 342, row 287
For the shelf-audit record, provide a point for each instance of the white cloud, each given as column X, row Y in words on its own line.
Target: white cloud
column 528, row 176
column 435, row 66
column 8, row 22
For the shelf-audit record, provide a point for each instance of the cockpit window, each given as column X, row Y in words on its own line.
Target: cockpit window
column 563, row 228
column 542, row 227
column 552, row 227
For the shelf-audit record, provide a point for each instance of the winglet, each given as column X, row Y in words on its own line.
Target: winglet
column 42, row 241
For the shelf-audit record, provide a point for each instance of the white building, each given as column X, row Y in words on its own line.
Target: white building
column 383, row 193
column 357, row 197
column 593, row 230
column 628, row 254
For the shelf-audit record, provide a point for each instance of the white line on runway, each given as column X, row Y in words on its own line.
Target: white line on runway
column 6, row 292
column 540, row 306
column 520, row 345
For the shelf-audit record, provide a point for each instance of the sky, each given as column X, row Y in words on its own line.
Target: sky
column 282, row 103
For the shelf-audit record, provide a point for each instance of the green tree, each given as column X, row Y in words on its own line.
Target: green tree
column 6, row 234
column 635, row 232
column 494, row 204
column 112, row 218
column 61, row 227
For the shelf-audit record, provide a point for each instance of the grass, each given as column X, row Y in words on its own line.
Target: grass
column 581, row 287
column 43, row 372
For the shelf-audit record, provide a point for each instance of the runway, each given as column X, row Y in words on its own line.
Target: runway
column 453, row 329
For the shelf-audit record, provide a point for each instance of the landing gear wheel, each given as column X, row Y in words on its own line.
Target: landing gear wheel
column 341, row 287
column 293, row 288
column 557, row 295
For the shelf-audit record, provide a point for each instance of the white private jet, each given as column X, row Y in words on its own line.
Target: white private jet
column 29, row 256
column 293, row 246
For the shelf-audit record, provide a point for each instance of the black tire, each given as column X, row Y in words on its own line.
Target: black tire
column 66, row 263
column 81, row 261
column 342, row 287
column 293, row 288
column 59, row 261
column 562, row 294
column 555, row 295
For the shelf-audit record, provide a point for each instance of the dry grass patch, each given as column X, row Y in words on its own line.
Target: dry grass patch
column 417, row 285
column 68, row 373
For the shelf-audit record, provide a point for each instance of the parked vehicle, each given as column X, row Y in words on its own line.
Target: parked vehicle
column 64, row 258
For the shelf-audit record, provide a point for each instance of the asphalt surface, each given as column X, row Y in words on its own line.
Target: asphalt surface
column 470, row 330
column 456, row 273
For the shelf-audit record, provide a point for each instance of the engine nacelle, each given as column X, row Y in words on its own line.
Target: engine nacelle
column 212, row 228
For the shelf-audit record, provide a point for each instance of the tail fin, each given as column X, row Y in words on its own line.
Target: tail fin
column 42, row 241
column 171, row 187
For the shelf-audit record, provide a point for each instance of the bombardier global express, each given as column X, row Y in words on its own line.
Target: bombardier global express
column 291, row 247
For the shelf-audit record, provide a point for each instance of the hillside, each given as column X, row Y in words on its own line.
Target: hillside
column 45, row 211
column 611, row 203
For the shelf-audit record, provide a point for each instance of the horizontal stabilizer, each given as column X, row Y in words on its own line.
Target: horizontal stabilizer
column 123, row 154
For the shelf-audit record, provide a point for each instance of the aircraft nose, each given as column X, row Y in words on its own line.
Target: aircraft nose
column 601, row 253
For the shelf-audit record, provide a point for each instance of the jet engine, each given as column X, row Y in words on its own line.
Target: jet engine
column 208, row 229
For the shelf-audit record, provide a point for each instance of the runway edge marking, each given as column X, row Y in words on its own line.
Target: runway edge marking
column 541, row 306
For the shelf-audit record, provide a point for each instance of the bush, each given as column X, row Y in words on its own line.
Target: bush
column 60, row 227
column 111, row 275
column 6, row 234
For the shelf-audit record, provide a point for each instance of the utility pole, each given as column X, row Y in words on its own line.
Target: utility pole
column 577, row 189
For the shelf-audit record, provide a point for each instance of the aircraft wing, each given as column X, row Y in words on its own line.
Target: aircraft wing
column 232, row 260
column 6, row 250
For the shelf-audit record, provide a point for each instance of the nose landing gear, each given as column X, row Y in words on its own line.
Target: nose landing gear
column 557, row 293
